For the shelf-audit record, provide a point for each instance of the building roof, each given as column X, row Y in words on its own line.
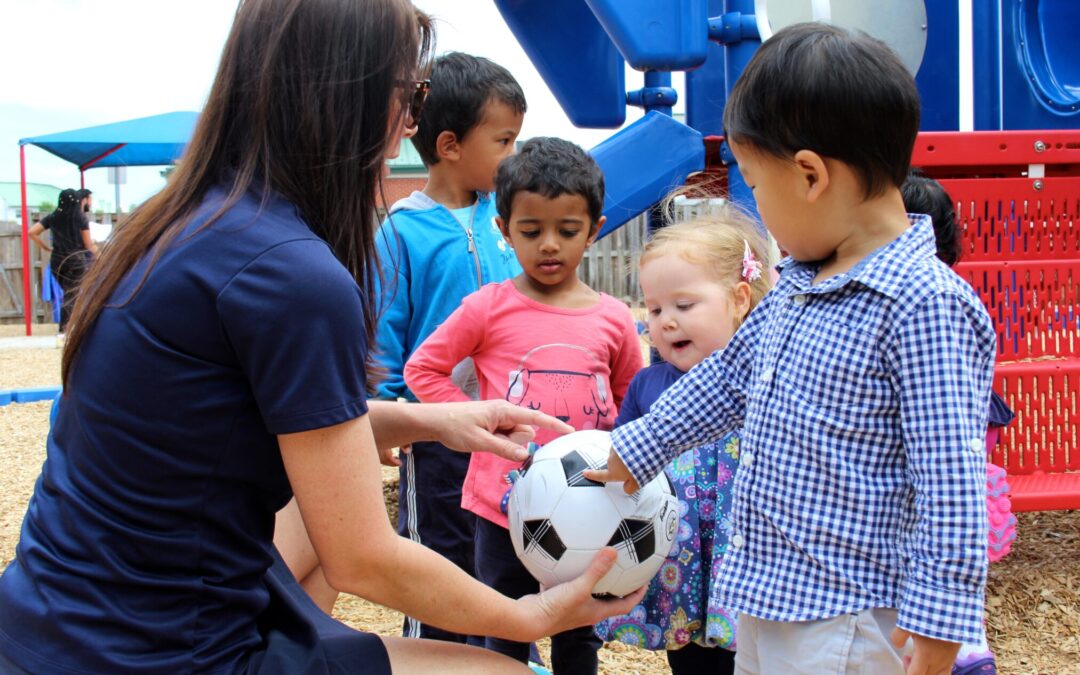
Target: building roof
column 36, row 193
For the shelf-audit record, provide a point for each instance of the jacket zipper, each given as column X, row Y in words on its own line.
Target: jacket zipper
column 472, row 242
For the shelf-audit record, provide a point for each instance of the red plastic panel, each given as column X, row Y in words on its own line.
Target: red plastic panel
column 1045, row 492
column 996, row 148
column 1007, row 219
column 1035, row 306
column 1017, row 196
column 1046, row 398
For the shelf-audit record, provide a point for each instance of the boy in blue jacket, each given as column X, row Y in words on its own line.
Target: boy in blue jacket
column 437, row 246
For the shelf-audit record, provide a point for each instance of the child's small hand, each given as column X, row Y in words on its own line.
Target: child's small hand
column 615, row 472
column 930, row 657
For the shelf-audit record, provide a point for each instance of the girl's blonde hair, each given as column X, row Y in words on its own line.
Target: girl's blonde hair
column 718, row 243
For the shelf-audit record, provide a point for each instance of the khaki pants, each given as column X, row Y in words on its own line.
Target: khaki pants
column 849, row 644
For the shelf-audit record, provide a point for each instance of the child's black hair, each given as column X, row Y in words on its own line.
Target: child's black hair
column 461, row 85
column 923, row 194
column 550, row 167
column 839, row 93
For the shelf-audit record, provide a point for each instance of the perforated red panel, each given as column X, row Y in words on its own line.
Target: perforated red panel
column 1035, row 306
column 1007, row 219
column 1017, row 196
column 1046, row 398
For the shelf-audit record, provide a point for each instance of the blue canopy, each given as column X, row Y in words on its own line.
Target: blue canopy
column 147, row 141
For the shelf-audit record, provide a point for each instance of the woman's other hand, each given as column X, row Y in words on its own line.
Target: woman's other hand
column 571, row 604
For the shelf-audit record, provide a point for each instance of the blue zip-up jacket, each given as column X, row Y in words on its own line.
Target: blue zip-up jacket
column 430, row 262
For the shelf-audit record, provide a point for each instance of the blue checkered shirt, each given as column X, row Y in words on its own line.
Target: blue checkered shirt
column 862, row 479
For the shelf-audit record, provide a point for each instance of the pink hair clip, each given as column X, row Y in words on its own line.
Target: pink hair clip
column 751, row 266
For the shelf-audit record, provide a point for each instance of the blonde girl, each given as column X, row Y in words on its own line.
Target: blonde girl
column 700, row 280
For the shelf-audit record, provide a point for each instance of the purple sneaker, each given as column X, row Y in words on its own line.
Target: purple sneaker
column 975, row 664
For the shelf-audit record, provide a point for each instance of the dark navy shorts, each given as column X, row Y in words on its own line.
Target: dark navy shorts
column 300, row 638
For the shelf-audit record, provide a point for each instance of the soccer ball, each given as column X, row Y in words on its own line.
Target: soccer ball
column 559, row 519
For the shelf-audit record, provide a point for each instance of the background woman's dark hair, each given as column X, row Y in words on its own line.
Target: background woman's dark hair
column 301, row 106
column 836, row 92
column 550, row 167
column 925, row 195
column 67, row 200
column 68, row 216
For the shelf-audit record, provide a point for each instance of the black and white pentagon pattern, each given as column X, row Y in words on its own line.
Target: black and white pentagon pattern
column 636, row 537
column 574, row 464
column 540, row 537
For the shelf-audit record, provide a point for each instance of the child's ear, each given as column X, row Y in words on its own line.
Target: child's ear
column 504, row 230
column 740, row 296
column 595, row 230
column 811, row 167
column 447, row 146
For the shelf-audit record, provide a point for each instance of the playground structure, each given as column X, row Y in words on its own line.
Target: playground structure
column 1016, row 179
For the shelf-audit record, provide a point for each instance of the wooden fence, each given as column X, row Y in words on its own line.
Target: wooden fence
column 611, row 264
column 11, row 277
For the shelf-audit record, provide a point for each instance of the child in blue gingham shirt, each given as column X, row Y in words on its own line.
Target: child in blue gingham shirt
column 861, row 383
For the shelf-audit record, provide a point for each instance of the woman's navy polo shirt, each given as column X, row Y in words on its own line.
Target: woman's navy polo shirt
column 146, row 541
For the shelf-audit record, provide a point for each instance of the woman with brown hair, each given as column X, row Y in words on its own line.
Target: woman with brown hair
column 217, row 364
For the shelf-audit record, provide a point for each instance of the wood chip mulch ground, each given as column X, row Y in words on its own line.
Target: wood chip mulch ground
column 1033, row 595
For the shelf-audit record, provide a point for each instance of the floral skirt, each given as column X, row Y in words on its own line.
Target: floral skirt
column 677, row 608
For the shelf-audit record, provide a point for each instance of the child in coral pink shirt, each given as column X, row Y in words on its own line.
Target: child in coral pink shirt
column 542, row 340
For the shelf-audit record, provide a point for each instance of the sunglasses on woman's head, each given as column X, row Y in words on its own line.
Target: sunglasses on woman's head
column 416, row 92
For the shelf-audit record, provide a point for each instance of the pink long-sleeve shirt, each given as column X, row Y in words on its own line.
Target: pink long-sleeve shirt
column 573, row 364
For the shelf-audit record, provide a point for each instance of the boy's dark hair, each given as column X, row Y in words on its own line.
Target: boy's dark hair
column 839, row 93
column 461, row 85
column 923, row 194
column 550, row 167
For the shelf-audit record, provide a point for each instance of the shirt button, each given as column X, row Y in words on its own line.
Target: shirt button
column 766, row 375
column 746, row 458
column 737, row 541
column 978, row 445
column 799, row 300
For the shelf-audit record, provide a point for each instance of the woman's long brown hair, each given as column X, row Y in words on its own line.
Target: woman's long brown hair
column 300, row 106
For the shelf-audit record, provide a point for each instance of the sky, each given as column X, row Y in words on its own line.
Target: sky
column 112, row 60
